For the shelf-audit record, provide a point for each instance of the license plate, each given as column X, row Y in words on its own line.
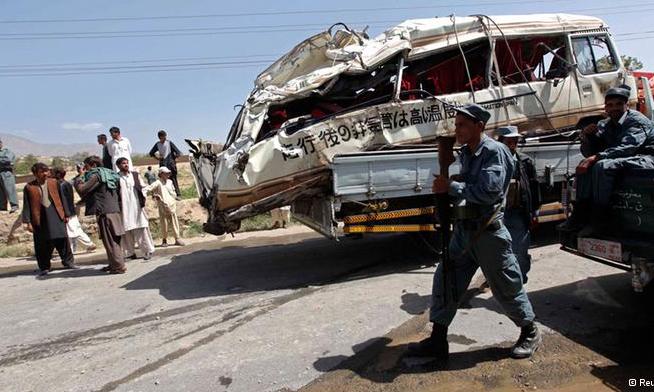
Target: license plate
column 607, row 249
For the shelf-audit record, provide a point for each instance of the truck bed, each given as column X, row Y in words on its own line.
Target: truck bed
column 627, row 243
column 404, row 173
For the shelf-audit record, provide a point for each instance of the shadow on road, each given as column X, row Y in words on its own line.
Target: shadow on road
column 415, row 304
column 58, row 272
column 599, row 313
column 545, row 234
column 310, row 262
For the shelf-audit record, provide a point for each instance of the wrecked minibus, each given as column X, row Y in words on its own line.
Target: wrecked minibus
column 343, row 127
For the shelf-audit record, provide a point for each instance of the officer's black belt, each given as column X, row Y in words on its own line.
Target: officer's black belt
column 476, row 225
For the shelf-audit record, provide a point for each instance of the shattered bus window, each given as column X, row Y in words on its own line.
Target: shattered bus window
column 605, row 61
column 531, row 59
column 346, row 93
column 594, row 54
column 445, row 73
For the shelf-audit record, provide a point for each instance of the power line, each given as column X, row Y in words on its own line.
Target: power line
column 268, row 13
column 162, row 67
column 259, row 26
column 267, row 56
column 139, row 61
column 192, row 29
column 635, row 33
column 204, row 31
column 145, row 67
column 129, row 71
column 146, row 64
column 174, row 33
column 634, row 39
column 31, row 38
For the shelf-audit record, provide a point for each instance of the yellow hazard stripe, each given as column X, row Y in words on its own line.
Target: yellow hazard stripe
column 551, row 218
column 376, row 216
column 388, row 229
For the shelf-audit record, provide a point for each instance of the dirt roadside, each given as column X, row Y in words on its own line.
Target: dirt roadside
column 591, row 359
column 207, row 242
column 562, row 366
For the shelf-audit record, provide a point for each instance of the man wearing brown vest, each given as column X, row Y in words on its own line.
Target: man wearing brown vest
column 45, row 216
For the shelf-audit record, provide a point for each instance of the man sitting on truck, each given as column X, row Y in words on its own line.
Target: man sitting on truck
column 624, row 140
column 480, row 239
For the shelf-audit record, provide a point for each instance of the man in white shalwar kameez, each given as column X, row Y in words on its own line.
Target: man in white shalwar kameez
column 119, row 147
column 163, row 191
column 137, row 227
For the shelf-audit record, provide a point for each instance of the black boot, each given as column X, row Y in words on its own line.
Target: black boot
column 528, row 342
column 579, row 218
column 435, row 346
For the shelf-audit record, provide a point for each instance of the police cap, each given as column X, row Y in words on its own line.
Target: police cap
column 474, row 111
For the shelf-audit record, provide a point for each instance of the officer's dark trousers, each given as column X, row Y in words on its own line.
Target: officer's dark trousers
column 597, row 183
column 7, row 190
column 491, row 252
column 44, row 247
column 516, row 223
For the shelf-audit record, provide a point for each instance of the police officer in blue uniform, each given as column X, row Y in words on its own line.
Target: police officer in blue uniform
column 522, row 199
column 7, row 180
column 480, row 239
column 625, row 139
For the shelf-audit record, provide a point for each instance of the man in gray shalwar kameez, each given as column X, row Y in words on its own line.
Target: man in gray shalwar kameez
column 167, row 153
column 7, row 180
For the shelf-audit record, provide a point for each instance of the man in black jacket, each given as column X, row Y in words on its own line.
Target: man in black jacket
column 522, row 199
column 73, row 227
column 106, row 157
column 99, row 188
column 167, row 153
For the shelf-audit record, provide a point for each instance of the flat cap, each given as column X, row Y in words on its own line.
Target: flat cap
column 474, row 111
column 508, row 131
column 622, row 91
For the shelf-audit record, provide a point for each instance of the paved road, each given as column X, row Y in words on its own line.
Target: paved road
column 289, row 312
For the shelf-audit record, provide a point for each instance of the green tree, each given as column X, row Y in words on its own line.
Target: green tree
column 80, row 156
column 631, row 63
column 59, row 162
column 24, row 164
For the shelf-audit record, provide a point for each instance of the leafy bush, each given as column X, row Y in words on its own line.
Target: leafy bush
column 24, row 164
column 194, row 229
column 17, row 250
column 256, row 223
column 189, row 192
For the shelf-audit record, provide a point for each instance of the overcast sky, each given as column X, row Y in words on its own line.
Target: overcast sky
column 220, row 47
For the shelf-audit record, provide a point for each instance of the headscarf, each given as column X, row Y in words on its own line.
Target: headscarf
column 106, row 176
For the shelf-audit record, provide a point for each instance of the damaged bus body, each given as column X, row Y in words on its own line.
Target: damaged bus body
column 343, row 127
